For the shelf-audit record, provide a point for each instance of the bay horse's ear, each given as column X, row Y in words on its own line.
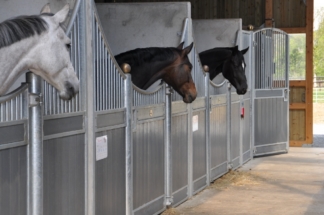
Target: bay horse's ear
column 180, row 46
column 46, row 9
column 60, row 16
column 187, row 50
column 244, row 51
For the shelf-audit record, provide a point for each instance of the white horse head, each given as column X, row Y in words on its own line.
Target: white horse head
column 38, row 43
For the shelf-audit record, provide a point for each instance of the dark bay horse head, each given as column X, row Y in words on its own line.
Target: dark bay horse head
column 228, row 61
column 169, row 64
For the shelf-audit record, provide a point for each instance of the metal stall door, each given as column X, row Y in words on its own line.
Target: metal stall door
column 148, row 150
column 13, row 152
column 64, row 125
column 270, row 96
column 198, row 174
column 246, row 105
column 110, row 121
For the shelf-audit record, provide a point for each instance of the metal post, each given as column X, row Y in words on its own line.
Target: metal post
column 168, row 148
column 229, row 129
column 190, row 151
column 129, row 145
column 35, row 145
column 207, row 121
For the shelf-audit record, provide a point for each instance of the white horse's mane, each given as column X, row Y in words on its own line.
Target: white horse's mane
column 22, row 27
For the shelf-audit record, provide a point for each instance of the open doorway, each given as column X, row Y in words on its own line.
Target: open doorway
column 318, row 85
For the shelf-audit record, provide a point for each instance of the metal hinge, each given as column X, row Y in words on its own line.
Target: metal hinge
column 35, row 99
column 169, row 91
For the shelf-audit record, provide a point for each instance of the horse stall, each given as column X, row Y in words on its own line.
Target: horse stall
column 43, row 171
column 270, row 90
column 229, row 131
column 137, row 26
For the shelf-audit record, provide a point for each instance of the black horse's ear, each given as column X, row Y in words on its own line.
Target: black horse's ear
column 180, row 46
column 234, row 50
column 187, row 50
column 244, row 51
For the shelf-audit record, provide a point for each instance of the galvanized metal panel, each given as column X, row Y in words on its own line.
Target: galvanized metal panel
column 179, row 107
column 235, row 130
column 180, row 196
column 246, row 130
column 199, row 146
column 135, row 25
column 105, row 119
column 270, row 121
column 110, row 175
column 13, row 133
column 109, row 79
column 64, row 175
column 150, row 112
column 148, row 162
column 199, row 184
column 154, row 207
column 52, row 103
column 179, row 151
column 13, row 180
column 218, row 135
column 63, row 124
column 269, row 93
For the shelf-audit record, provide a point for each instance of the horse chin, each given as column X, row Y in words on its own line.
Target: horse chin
column 240, row 91
column 66, row 96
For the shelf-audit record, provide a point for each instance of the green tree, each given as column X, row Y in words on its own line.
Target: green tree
column 319, row 44
column 297, row 48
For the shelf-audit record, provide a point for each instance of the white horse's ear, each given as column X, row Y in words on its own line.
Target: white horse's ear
column 46, row 9
column 60, row 16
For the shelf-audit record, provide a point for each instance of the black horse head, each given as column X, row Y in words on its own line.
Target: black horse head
column 228, row 61
column 172, row 65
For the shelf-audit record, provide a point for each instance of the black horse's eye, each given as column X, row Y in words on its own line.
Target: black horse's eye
column 68, row 46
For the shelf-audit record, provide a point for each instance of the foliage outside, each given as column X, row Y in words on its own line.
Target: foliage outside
column 297, row 56
column 319, row 45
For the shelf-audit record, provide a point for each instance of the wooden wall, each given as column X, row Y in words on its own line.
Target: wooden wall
column 287, row 13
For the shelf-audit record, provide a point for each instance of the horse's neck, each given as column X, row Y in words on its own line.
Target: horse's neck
column 144, row 76
column 216, row 70
column 13, row 61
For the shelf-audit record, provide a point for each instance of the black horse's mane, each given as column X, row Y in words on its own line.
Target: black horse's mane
column 22, row 27
column 140, row 56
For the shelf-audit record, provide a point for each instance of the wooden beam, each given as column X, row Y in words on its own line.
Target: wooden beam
column 296, row 143
column 268, row 13
column 299, row 83
column 309, row 70
column 297, row 106
column 301, row 30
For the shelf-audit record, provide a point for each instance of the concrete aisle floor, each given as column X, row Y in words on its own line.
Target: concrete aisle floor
column 287, row 184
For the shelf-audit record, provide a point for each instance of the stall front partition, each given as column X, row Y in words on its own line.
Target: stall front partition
column 270, row 91
column 44, row 141
column 141, row 25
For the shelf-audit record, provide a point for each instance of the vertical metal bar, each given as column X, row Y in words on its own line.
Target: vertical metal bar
column 207, row 125
column 228, row 119
column 129, row 145
column 168, row 148
column 35, row 145
column 190, row 151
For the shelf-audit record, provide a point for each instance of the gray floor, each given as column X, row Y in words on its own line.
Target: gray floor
column 286, row 184
column 318, row 140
